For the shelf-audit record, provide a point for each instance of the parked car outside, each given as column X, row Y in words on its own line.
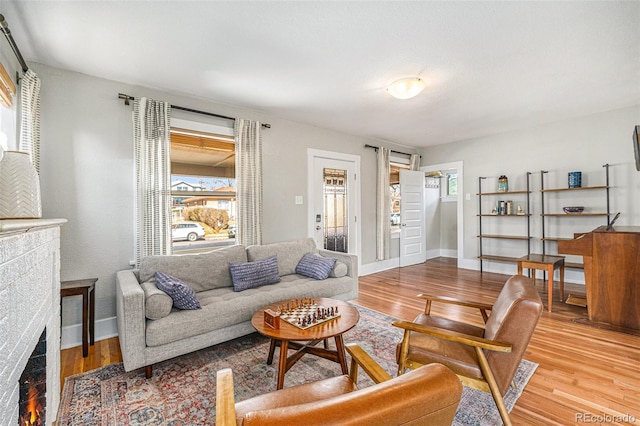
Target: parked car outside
column 232, row 231
column 190, row 231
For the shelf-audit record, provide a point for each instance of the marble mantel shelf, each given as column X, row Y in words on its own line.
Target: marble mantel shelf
column 24, row 225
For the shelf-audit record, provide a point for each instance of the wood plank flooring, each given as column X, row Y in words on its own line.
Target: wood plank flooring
column 585, row 374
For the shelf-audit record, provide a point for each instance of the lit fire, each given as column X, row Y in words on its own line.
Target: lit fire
column 32, row 415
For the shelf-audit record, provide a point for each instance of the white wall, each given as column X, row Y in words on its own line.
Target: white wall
column 87, row 172
column 87, row 177
column 584, row 143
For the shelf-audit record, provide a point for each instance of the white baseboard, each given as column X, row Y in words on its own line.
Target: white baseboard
column 71, row 335
column 383, row 265
column 570, row 275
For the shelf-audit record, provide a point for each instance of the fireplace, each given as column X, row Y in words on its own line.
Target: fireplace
column 29, row 321
column 33, row 387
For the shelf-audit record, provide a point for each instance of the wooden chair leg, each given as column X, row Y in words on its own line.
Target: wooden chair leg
column 148, row 371
column 404, row 350
column 562, row 282
column 550, row 287
column 493, row 385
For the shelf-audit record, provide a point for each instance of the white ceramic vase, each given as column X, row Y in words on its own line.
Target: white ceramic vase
column 19, row 187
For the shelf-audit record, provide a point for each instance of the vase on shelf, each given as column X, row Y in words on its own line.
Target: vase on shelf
column 503, row 184
column 19, row 187
column 575, row 179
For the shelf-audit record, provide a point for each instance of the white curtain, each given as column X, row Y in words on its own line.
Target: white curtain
column 151, row 126
column 414, row 162
column 30, row 117
column 383, row 205
column 249, row 178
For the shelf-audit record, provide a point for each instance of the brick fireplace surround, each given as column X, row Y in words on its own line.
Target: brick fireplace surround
column 29, row 303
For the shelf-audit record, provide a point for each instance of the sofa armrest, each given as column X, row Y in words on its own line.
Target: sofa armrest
column 350, row 260
column 131, row 319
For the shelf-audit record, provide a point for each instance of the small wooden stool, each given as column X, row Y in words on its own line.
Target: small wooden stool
column 546, row 263
column 84, row 288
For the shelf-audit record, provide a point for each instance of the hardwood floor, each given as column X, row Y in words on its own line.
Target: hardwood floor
column 585, row 374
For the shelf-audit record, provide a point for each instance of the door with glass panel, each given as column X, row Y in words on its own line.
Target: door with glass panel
column 334, row 212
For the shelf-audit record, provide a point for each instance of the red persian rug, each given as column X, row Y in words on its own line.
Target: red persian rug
column 182, row 390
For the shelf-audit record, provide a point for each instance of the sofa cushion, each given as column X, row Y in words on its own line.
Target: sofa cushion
column 340, row 270
column 314, row 266
column 222, row 307
column 157, row 303
column 203, row 271
column 183, row 296
column 248, row 275
column 288, row 253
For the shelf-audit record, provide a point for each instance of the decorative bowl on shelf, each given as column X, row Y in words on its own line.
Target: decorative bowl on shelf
column 573, row 210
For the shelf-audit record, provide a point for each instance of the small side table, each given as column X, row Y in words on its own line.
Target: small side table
column 84, row 288
column 546, row 263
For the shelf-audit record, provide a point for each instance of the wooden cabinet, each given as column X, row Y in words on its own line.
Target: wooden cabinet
column 511, row 228
column 558, row 225
column 612, row 278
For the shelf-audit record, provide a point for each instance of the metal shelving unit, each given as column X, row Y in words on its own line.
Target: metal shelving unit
column 560, row 191
column 482, row 216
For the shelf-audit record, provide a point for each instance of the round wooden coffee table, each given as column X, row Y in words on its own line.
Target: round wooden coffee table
column 289, row 336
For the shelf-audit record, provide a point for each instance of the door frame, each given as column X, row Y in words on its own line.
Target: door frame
column 458, row 165
column 312, row 154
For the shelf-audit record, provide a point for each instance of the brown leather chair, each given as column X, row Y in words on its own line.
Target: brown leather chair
column 427, row 396
column 484, row 358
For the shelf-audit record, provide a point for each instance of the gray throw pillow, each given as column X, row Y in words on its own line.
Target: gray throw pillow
column 157, row 303
column 183, row 296
column 340, row 270
column 246, row 275
column 316, row 267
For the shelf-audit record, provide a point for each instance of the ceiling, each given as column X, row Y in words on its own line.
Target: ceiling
column 490, row 67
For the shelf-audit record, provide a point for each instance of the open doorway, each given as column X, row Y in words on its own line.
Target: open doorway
column 444, row 210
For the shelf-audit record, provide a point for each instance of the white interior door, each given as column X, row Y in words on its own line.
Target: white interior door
column 412, row 236
column 333, row 208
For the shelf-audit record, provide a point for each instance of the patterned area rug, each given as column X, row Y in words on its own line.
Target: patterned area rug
column 182, row 390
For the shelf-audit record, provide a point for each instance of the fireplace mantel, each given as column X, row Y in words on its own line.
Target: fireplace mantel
column 29, row 303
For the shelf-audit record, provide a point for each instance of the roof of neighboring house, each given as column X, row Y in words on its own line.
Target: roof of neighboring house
column 181, row 182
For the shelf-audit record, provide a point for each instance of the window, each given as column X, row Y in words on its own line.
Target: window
column 7, row 88
column 396, row 165
column 449, row 191
column 203, row 189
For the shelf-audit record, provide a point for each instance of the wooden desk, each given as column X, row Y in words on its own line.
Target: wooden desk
column 545, row 263
column 611, row 272
column 84, row 288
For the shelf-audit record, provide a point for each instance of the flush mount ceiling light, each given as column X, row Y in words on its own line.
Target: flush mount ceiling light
column 406, row 88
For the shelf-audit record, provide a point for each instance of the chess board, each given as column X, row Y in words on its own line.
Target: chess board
column 299, row 316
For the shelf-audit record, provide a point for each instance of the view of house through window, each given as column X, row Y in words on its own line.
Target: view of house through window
column 203, row 191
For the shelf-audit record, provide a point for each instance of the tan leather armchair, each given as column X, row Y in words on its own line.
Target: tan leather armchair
column 428, row 396
column 484, row 358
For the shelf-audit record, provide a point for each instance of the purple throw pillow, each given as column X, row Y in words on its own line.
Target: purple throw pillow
column 314, row 266
column 183, row 296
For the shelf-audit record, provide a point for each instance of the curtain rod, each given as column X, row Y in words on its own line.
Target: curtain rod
column 12, row 43
column 377, row 147
column 128, row 98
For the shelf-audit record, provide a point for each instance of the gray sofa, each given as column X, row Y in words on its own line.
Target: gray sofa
column 150, row 330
